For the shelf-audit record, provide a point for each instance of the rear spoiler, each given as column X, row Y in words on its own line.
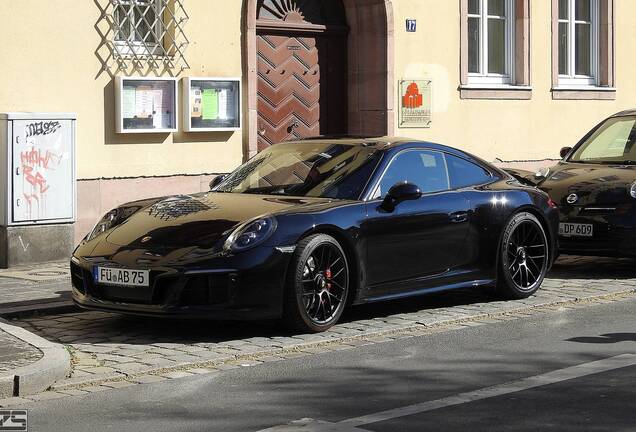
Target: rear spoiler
column 523, row 176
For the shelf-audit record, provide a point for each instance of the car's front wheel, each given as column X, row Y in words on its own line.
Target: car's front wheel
column 317, row 285
column 524, row 257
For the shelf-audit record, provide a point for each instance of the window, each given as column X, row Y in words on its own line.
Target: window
column 145, row 37
column 138, row 25
column 578, row 42
column 490, row 41
column 613, row 142
column 464, row 173
column 424, row 168
column 583, row 49
column 316, row 169
column 495, row 49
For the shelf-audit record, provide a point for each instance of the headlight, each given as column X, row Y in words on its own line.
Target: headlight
column 109, row 220
column 632, row 190
column 543, row 173
column 250, row 234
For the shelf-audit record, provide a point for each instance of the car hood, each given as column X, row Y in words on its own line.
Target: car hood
column 198, row 220
column 593, row 184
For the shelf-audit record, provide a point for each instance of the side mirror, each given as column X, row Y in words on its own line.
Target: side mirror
column 216, row 180
column 398, row 193
column 565, row 151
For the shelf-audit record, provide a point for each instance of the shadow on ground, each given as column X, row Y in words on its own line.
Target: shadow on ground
column 105, row 328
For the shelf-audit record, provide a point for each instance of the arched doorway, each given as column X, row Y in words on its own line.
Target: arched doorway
column 301, row 64
column 317, row 67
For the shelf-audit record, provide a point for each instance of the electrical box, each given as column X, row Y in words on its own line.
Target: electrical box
column 37, row 187
column 211, row 104
column 145, row 105
column 38, row 168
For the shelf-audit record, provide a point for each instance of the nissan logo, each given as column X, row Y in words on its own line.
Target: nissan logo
column 572, row 198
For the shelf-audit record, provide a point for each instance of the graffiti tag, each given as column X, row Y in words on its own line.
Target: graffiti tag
column 42, row 128
column 35, row 163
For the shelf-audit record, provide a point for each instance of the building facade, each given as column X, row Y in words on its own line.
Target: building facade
column 508, row 80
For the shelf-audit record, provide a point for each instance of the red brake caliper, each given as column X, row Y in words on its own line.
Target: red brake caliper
column 328, row 276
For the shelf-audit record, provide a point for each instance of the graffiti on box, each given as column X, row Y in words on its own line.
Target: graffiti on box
column 39, row 150
column 35, row 167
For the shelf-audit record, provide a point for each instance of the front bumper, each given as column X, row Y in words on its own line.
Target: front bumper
column 614, row 231
column 246, row 286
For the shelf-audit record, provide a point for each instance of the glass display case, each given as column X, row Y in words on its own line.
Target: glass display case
column 211, row 104
column 146, row 105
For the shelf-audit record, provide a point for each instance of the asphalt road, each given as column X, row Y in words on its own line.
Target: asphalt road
column 583, row 362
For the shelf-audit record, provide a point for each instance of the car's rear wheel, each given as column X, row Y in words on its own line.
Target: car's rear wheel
column 317, row 285
column 524, row 257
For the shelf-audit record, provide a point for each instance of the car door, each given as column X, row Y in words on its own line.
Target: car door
column 472, row 180
column 420, row 238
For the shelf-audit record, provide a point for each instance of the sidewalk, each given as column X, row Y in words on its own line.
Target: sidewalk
column 15, row 353
column 42, row 288
column 29, row 364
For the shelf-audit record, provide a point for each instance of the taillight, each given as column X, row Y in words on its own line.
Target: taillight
column 552, row 204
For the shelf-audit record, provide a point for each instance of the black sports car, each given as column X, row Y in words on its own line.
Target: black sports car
column 594, row 186
column 305, row 228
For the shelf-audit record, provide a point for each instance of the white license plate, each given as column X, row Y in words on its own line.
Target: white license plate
column 122, row 277
column 576, row 230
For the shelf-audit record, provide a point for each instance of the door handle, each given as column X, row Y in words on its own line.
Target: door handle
column 459, row 217
column 293, row 126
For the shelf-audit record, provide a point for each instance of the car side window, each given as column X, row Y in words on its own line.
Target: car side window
column 424, row 168
column 464, row 173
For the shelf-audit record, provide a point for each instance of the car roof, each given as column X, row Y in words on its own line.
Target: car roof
column 379, row 142
column 387, row 143
column 629, row 112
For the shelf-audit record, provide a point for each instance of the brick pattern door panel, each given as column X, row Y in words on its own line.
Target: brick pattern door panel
column 288, row 88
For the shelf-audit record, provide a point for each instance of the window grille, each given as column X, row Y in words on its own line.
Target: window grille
column 147, row 34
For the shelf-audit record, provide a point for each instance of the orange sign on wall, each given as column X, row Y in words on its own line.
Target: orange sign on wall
column 415, row 103
column 413, row 98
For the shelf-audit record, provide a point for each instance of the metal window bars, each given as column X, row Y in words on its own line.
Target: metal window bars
column 143, row 36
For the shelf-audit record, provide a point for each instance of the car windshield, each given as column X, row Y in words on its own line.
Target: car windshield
column 612, row 143
column 311, row 168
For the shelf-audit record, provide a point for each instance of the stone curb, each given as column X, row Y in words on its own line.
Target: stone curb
column 54, row 365
column 39, row 309
column 369, row 335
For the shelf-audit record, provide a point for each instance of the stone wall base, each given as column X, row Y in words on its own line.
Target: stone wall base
column 34, row 244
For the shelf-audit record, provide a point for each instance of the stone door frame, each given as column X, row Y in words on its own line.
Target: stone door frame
column 370, row 70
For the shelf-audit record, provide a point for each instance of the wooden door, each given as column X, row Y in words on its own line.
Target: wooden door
column 301, row 86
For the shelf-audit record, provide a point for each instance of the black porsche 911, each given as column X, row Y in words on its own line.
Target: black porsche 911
column 305, row 228
column 594, row 186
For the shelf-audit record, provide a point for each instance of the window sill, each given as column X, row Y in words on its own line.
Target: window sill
column 475, row 91
column 584, row 93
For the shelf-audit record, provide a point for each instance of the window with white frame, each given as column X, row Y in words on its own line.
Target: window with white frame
column 578, row 42
column 138, row 26
column 491, row 30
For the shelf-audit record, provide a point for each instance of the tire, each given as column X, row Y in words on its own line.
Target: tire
column 317, row 285
column 524, row 257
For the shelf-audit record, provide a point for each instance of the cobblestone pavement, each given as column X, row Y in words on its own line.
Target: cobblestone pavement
column 34, row 285
column 109, row 350
column 15, row 353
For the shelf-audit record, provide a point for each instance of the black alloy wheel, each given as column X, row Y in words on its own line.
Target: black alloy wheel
column 524, row 256
column 318, row 284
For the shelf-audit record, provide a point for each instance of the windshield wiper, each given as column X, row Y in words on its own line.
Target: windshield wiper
column 623, row 162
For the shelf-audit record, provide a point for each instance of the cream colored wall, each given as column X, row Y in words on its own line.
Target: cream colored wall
column 510, row 130
column 49, row 64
